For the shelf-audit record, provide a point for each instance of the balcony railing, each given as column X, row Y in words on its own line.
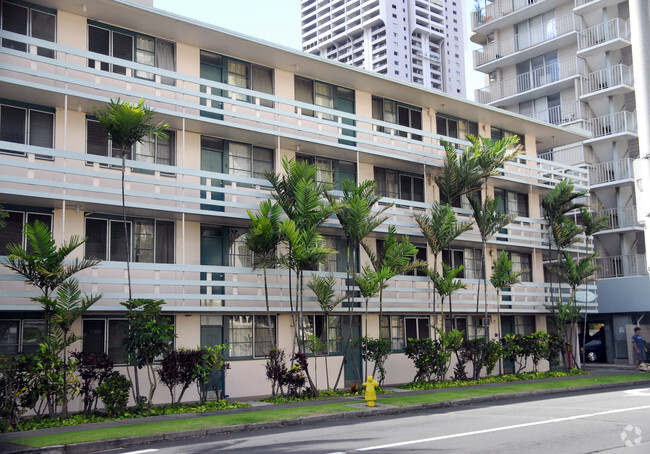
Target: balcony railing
column 619, row 122
column 557, row 115
column 531, row 80
column 571, row 155
column 607, row 78
column 246, row 111
column 608, row 172
column 612, row 29
column 498, row 9
column 536, row 35
column 618, row 218
column 620, row 266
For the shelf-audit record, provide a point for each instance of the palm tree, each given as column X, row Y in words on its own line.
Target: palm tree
column 262, row 240
column 445, row 284
column 358, row 217
column 590, row 224
column 440, row 229
column 503, row 277
column 323, row 288
column 461, row 173
column 489, row 221
column 47, row 267
column 493, row 154
column 126, row 124
column 575, row 273
column 370, row 282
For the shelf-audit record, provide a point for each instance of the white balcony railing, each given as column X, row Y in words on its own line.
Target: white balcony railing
column 608, row 172
column 620, row 266
column 618, row 218
column 571, row 155
column 619, row 122
column 498, row 9
column 607, row 78
column 531, row 80
column 557, row 115
column 534, row 36
column 607, row 31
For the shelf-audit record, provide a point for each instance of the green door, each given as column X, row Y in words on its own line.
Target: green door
column 212, row 333
column 508, row 327
column 212, row 161
column 212, row 252
column 211, row 71
column 352, row 371
column 345, row 103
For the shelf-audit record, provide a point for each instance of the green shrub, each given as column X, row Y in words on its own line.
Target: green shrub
column 114, row 393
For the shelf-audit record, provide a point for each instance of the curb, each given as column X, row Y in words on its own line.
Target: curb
column 100, row 445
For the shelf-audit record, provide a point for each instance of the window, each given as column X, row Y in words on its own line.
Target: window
column 512, row 202
column 152, row 149
column 238, row 254
column 29, row 20
column 397, row 185
column 522, row 262
column 249, row 335
column 20, row 336
column 249, row 161
column 524, row 324
column 538, row 71
column 152, row 240
column 14, row 225
column 105, row 336
column 401, row 114
column 127, row 45
column 27, row 125
column 331, row 171
column 323, row 95
column 392, row 329
column 469, row 258
column 545, row 108
column 535, row 30
column 455, row 127
column 327, row 329
column 416, row 328
column 336, row 261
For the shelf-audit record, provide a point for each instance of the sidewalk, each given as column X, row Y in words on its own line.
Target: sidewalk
column 595, row 371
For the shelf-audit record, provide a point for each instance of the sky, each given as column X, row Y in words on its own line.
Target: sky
column 276, row 21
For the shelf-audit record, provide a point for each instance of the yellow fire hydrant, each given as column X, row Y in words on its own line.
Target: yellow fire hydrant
column 371, row 395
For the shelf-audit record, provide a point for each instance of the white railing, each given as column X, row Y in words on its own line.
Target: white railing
column 612, row 124
column 571, row 156
column 537, row 35
column 556, row 115
column 531, row 80
column 254, row 112
column 608, row 77
column 607, row 172
column 579, row 3
column 620, row 266
column 619, row 217
column 498, row 9
column 612, row 29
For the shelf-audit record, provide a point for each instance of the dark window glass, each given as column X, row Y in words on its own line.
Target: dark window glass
column 41, row 129
column 14, row 19
column 116, row 332
column 118, row 240
column 9, row 337
column 96, row 139
column 33, row 331
column 96, row 234
column 122, row 48
column 12, row 124
column 98, row 42
column 164, row 242
column 93, row 336
column 43, row 27
column 12, row 232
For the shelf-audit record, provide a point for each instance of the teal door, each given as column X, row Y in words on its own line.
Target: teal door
column 345, row 103
column 352, row 371
column 212, row 252
column 210, row 71
column 212, row 161
column 507, row 327
column 212, row 333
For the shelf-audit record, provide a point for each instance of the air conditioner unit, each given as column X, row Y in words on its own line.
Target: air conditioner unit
column 483, row 322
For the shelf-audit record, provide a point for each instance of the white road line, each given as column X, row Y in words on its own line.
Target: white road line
column 498, row 429
column 142, row 451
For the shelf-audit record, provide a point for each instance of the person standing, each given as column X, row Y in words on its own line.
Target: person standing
column 639, row 347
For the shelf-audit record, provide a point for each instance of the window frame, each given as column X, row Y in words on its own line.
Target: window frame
column 250, row 344
column 462, row 126
column 22, row 336
column 383, row 184
column 25, row 215
column 27, row 121
column 30, row 27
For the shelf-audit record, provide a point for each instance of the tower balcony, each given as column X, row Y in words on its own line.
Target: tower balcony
column 610, row 172
column 606, row 37
column 620, row 266
column 619, row 125
column 611, row 81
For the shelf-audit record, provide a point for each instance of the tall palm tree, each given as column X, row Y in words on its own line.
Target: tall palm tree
column 489, row 221
column 591, row 224
column 503, row 277
column 126, row 124
column 358, row 218
column 461, row 173
column 446, row 284
column 262, row 240
column 493, row 154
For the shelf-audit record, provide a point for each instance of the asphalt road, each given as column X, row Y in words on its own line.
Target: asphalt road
column 607, row 422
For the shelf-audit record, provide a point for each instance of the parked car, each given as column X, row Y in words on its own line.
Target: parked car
column 595, row 349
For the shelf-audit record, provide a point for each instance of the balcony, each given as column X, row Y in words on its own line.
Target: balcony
column 533, row 40
column 619, row 218
column 571, row 155
column 611, row 81
column 610, row 172
column 241, row 114
column 587, row 6
column 504, row 13
column 564, row 114
column 617, row 125
column 606, row 37
column 620, row 266
column 549, row 75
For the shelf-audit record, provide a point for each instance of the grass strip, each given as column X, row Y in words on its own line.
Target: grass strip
column 400, row 400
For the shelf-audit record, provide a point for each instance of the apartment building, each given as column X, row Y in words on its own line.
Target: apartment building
column 237, row 108
column 570, row 63
column 418, row 41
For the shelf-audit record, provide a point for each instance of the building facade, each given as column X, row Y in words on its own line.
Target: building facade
column 236, row 109
column 570, row 63
column 418, row 41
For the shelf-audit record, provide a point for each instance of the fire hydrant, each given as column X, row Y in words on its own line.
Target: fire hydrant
column 371, row 395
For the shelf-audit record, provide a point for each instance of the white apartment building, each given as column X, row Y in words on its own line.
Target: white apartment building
column 569, row 62
column 418, row 41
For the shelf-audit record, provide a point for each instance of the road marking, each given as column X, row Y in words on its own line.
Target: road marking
column 498, row 429
column 637, row 392
column 142, row 451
